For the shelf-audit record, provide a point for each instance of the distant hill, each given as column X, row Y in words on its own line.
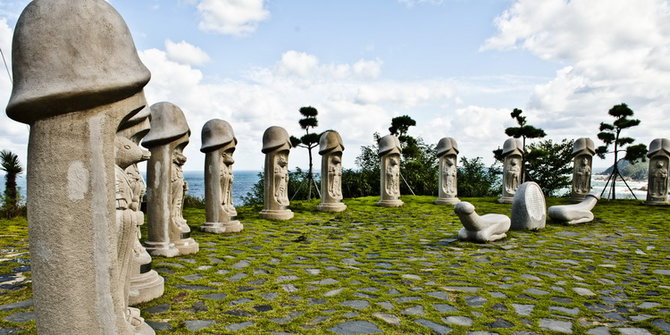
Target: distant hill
column 638, row 171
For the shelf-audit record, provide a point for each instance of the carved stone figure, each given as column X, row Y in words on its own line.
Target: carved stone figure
column 145, row 284
column 577, row 213
column 77, row 77
column 276, row 147
column 513, row 158
column 447, row 153
column 659, row 168
column 389, row 153
column 330, row 149
column 481, row 229
column 218, row 144
column 582, row 153
column 169, row 233
column 529, row 210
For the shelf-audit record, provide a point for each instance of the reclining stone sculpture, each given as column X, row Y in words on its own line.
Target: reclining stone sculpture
column 577, row 213
column 482, row 229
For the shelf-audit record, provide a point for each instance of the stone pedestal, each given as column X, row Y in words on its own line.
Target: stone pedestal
column 276, row 147
column 389, row 154
column 512, row 163
column 74, row 103
column 582, row 153
column 447, row 153
column 529, row 209
column 169, row 234
column 218, row 144
column 330, row 149
column 659, row 169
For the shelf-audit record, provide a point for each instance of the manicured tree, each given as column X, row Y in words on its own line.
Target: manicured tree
column 523, row 131
column 308, row 141
column 610, row 134
column 9, row 162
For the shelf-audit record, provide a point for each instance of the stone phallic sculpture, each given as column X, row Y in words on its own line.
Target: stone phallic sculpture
column 529, row 210
column 145, row 283
column 77, row 78
column 447, row 152
column 659, row 168
column 169, row 234
column 218, row 144
column 577, row 213
column 330, row 149
column 481, row 229
column 276, row 147
column 582, row 154
column 513, row 158
column 389, row 154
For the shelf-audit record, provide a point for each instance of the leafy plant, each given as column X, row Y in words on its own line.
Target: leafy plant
column 10, row 164
column 476, row 180
column 549, row 165
column 308, row 141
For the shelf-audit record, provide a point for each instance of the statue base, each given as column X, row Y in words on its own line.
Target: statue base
column 187, row 246
column 506, row 200
column 331, row 207
column 137, row 324
column 447, row 201
column 163, row 249
column 222, row 227
column 390, row 203
column 657, row 202
column 145, row 287
column 276, row 214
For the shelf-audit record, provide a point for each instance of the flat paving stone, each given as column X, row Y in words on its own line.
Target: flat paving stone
column 388, row 318
column 357, row 304
column 414, row 310
column 160, row 308
column 239, row 326
column 585, row 292
column 194, row 325
column 475, row 301
column 445, row 308
column 355, row 327
column 435, row 327
column 438, row 295
column 21, row 317
column 633, row 331
column 599, row 331
column 571, row 311
column 556, row 325
column 522, row 309
column 458, row 320
column 159, row 325
column 17, row 305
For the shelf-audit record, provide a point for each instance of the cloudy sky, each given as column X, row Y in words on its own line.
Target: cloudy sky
column 457, row 67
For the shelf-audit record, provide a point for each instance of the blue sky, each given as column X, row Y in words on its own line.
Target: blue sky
column 458, row 67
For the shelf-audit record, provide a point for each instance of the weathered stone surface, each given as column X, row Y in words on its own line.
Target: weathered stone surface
column 355, row 327
column 582, row 157
column 458, row 320
column 512, row 159
column 330, row 149
column 276, row 147
column 556, row 325
column 17, row 305
column 388, row 318
column 389, row 154
column 659, row 169
column 577, row 213
column 194, row 325
column 482, row 229
column 529, row 210
column 435, row 327
column 447, row 153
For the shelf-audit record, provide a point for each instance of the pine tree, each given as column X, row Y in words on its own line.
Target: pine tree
column 308, row 141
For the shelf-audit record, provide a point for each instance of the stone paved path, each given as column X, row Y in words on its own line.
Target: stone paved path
column 376, row 270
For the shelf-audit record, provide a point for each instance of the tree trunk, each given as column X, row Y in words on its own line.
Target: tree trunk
column 615, row 171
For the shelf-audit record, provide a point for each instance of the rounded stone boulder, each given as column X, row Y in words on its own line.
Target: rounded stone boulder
column 529, row 209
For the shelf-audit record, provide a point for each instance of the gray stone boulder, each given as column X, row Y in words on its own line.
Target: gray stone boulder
column 529, row 210
column 577, row 213
column 482, row 229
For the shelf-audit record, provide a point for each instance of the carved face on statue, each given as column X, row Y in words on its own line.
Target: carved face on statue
column 281, row 160
column 227, row 156
column 127, row 152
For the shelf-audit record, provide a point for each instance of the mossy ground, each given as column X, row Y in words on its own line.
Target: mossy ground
column 318, row 270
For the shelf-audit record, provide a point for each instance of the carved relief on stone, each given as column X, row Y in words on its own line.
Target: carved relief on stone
column 169, row 233
column 447, row 153
column 582, row 153
column 276, row 146
column 659, row 168
column 330, row 149
column 389, row 153
column 74, row 103
column 512, row 160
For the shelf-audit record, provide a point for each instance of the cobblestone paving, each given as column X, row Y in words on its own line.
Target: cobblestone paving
column 379, row 270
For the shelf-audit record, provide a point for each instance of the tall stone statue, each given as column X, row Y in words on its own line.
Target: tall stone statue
column 582, row 155
column 513, row 158
column 389, row 154
column 218, row 144
column 659, row 168
column 145, row 283
column 77, row 78
column 169, row 234
column 276, row 147
column 447, row 153
column 330, row 149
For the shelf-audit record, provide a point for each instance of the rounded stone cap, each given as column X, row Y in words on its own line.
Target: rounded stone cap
column 70, row 56
column 512, row 145
column 216, row 133
column 140, row 116
column 275, row 138
column 388, row 144
column 658, row 145
column 330, row 141
column 168, row 123
column 447, row 145
column 583, row 145
column 464, row 207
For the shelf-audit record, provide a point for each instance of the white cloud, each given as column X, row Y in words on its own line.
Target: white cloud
column 297, row 63
column 613, row 51
column 368, row 68
column 185, row 53
column 232, row 17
